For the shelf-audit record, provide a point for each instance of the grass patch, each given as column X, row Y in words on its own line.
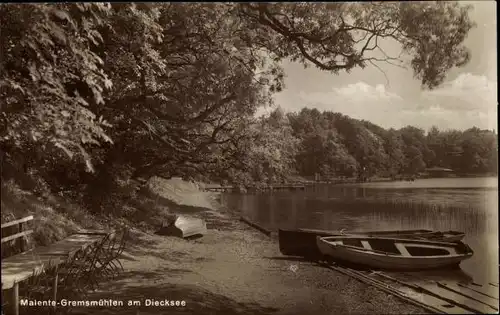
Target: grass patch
column 58, row 216
column 54, row 217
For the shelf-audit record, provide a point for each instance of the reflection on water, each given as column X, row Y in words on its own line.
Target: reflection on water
column 483, row 182
column 453, row 206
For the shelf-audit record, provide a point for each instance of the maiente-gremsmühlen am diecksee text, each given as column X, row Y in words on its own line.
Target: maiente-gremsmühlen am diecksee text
column 101, row 303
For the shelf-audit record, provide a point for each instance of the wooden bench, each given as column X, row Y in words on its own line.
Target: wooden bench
column 15, row 237
column 16, row 233
column 23, row 266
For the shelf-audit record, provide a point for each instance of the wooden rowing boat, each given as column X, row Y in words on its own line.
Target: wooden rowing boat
column 393, row 253
column 302, row 242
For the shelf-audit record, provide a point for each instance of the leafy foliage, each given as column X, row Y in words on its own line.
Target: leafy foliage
column 272, row 155
column 45, row 53
column 171, row 89
column 340, row 36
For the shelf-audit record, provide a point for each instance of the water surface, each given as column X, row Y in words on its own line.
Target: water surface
column 464, row 204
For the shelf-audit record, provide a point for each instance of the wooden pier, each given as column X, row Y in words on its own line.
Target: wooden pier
column 298, row 186
column 220, row 188
column 288, row 187
column 285, row 187
column 439, row 297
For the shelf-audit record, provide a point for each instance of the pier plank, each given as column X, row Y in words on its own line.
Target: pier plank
column 470, row 294
column 412, row 291
column 486, row 289
column 443, row 306
column 457, row 299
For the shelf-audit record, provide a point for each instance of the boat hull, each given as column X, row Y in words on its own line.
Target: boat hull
column 445, row 236
column 302, row 242
column 191, row 227
column 347, row 254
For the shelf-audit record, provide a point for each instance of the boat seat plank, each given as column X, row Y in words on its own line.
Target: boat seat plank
column 470, row 294
column 402, row 249
column 458, row 299
column 452, row 251
column 366, row 245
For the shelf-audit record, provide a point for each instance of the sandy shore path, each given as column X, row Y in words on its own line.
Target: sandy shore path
column 233, row 270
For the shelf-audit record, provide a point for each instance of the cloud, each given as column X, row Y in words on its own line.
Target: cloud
column 467, row 92
column 364, row 91
column 358, row 100
column 446, row 118
column 467, row 101
column 353, row 97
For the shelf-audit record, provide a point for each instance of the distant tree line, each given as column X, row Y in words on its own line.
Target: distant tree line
column 334, row 145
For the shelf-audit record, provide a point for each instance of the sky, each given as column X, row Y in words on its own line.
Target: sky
column 467, row 98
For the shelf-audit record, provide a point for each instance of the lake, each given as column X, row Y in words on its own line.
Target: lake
column 464, row 204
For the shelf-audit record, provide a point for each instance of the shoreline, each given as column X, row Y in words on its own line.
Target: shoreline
column 294, row 185
column 234, row 269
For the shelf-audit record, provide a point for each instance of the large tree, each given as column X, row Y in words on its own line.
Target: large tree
column 179, row 82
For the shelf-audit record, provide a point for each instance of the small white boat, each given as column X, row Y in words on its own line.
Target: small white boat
column 184, row 227
column 393, row 253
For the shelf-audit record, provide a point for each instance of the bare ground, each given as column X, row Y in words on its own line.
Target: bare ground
column 233, row 270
